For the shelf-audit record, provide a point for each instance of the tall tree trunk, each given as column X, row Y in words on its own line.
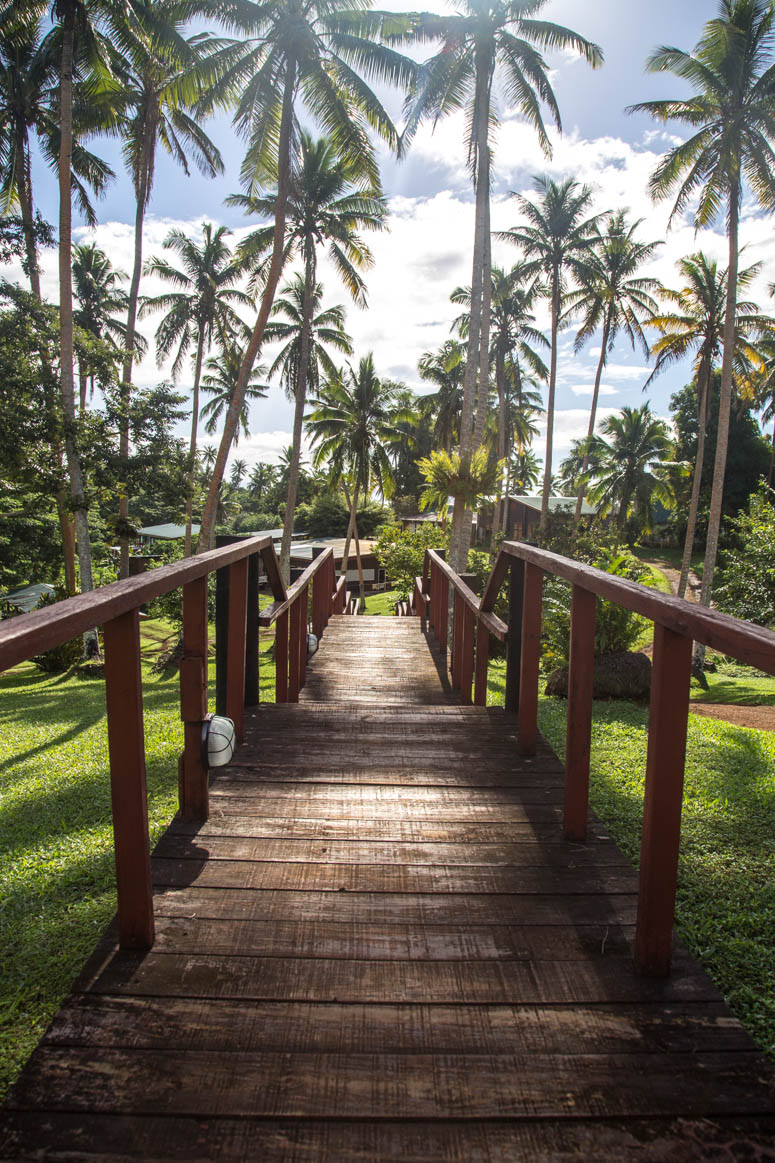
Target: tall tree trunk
column 460, row 536
column 141, row 196
column 550, row 402
column 592, row 416
column 724, row 410
column 298, row 414
column 273, row 278
column 772, row 458
column 67, row 534
column 24, row 188
column 79, row 504
column 352, row 504
column 503, row 491
column 192, row 445
column 83, row 383
column 703, row 392
column 361, row 584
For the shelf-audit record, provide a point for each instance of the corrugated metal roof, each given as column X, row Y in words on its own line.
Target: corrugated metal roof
column 167, row 532
column 558, row 504
column 27, row 598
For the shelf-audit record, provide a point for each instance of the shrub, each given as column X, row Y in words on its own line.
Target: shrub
column 403, row 553
column 67, row 654
column 747, row 588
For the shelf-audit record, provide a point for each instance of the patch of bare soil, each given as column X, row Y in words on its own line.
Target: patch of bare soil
column 762, row 718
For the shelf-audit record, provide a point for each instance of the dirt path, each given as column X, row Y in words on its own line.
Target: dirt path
column 674, row 576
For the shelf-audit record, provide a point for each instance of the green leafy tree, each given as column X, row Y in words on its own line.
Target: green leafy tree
column 747, row 567
column 100, row 295
column 402, row 553
column 556, row 241
column 484, row 39
column 614, row 298
column 694, row 327
column 201, row 309
column 319, row 54
column 446, row 369
column 731, row 117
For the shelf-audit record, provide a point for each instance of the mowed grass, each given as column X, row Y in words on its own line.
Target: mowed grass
column 726, row 887
column 384, row 603
column 57, row 881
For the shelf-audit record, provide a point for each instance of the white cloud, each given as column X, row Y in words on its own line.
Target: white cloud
column 587, row 390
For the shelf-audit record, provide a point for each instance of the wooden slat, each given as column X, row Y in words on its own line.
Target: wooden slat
column 578, row 736
column 235, row 651
column 194, row 803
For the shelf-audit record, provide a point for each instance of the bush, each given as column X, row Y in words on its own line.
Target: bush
column 403, row 553
column 67, row 654
column 747, row 588
column 616, row 629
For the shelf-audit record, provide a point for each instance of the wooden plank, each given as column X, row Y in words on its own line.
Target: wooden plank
column 578, row 736
column 129, row 802
column 276, row 1140
column 668, row 716
column 294, row 670
column 399, row 831
column 281, row 658
column 272, row 570
column 304, row 1027
column 482, row 660
column 467, row 657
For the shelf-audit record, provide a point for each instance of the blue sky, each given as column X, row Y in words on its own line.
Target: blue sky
column 428, row 250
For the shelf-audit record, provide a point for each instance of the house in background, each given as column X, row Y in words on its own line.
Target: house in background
column 524, row 516
column 373, row 572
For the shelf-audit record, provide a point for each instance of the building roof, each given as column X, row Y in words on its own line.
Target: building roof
column 558, row 504
column 167, row 532
column 27, row 598
column 303, row 551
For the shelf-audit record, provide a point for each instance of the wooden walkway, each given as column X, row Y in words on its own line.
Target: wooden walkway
column 379, row 947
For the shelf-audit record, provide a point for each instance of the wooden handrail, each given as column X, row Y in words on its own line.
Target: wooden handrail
column 743, row 640
column 677, row 623
column 44, row 629
column 494, row 624
column 271, row 613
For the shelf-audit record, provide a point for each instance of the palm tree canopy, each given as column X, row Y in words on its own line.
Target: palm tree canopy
column 220, row 382
column 205, row 298
column 481, row 37
column 446, row 475
column 558, row 237
column 446, row 369
column 329, row 205
column 731, row 112
column 629, row 463
column 353, row 425
column 98, row 289
column 612, row 294
column 695, row 326
column 326, row 331
column 512, row 330
column 322, row 54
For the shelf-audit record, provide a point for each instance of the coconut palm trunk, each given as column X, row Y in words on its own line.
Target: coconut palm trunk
column 460, row 535
column 500, row 501
column 550, row 402
column 91, row 643
column 300, row 395
column 592, row 417
column 724, row 412
column 352, row 504
column 703, row 392
column 192, row 445
column 141, row 195
column 24, row 188
column 273, row 278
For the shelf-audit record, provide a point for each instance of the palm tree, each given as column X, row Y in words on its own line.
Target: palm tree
column 353, row 426
column 524, row 470
column 556, row 242
column 28, row 75
column 328, row 204
column 629, row 465
column 446, row 369
column 613, row 297
column 238, row 472
column 99, row 293
column 201, row 308
column 163, row 75
column 261, row 478
column 731, row 113
column 480, row 39
column 220, row 381
column 321, row 54
column 695, row 327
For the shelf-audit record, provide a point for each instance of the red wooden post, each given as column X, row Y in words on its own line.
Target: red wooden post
column 668, row 716
column 320, row 590
column 294, row 670
column 443, row 583
column 579, row 724
column 432, row 574
column 531, row 656
column 193, row 792
column 304, row 603
column 126, row 745
column 466, row 655
column 281, row 658
column 482, row 660
column 235, row 651
column 457, row 640
column 331, row 572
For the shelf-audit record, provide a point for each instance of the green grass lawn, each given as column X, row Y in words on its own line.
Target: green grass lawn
column 726, row 889
column 57, row 883
column 384, row 603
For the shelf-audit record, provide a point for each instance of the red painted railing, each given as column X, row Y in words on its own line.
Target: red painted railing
column 677, row 623
column 116, row 609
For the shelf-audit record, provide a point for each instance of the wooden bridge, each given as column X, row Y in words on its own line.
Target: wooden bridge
column 389, row 929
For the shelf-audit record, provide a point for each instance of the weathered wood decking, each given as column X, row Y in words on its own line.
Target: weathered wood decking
column 379, row 947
